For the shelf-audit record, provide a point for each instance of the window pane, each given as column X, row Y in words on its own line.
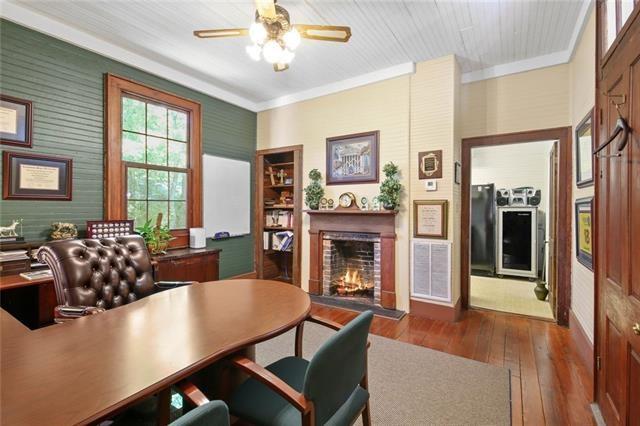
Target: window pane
column 136, row 183
column 156, row 120
column 156, row 207
column 137, row 210
column 156, row 151
column 177, row 154
column 178, row 190
column 177, row 214
column 132, row 147
column 611, row 22
column 177, row 125
column 158, row 185
column 626, row 7
column 132, row 115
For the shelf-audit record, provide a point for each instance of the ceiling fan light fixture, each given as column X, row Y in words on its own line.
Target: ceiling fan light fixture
column 272, row 51
column 254, row 51
column 291, row 39
column 257, row 33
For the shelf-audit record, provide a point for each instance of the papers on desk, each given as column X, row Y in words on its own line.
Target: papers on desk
column 36, row 275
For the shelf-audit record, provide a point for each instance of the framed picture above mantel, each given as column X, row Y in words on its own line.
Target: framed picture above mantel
column 27, row 176
column 353, row 158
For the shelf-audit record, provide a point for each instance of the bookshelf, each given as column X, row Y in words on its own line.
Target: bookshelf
column 278, row 214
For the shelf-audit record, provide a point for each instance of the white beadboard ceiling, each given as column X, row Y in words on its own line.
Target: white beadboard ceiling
column 489, row 38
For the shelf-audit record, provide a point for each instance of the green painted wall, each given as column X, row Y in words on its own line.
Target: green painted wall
column 65, row 83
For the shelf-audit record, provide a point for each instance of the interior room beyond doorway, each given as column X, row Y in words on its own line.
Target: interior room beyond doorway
column 511, row 200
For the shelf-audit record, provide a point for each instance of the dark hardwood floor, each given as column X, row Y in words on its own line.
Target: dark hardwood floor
column 549, row 383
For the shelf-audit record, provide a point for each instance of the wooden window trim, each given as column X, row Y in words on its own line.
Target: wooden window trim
column 114, row 167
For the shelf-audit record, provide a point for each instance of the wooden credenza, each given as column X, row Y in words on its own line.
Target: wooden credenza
column 188, row 265
column 32, row 302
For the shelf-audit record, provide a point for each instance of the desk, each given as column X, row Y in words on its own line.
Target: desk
column 82, row 371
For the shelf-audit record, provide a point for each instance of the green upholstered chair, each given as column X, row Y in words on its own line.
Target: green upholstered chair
column 329, row 389
column 214, row 413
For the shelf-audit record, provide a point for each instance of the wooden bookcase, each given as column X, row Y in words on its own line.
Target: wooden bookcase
column 276, row 264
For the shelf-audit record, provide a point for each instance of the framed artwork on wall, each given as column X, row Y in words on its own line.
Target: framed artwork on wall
column 430, row 164
column 584, row 234
column 430, row 219
column 15, row 121
column 584, row 148
column 353, row 158
column 35, row 177
column 457, row 173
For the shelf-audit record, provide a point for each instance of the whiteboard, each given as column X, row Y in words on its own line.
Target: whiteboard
column 226, row 187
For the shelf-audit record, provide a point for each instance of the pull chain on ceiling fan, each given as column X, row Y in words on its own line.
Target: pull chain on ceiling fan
column 274, row 38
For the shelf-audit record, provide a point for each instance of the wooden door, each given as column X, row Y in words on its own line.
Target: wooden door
column 617, row 212
column 552, row 220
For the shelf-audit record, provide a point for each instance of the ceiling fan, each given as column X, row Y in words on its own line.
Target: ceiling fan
column 273, row 36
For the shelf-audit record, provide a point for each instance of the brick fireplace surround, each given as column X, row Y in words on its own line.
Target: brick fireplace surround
column 380, row 223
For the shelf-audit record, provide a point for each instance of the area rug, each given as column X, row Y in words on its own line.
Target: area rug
column 413, row 385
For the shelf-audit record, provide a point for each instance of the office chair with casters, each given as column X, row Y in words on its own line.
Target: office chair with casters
column 329, row 389
column 214, row 413
column 93, row 275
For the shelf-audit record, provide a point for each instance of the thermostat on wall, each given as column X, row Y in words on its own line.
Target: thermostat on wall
column 430, row 185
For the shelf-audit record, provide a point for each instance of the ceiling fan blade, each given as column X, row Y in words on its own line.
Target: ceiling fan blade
column 280, row 67
column 324, row 32
column 266, row 8
column 229, row 32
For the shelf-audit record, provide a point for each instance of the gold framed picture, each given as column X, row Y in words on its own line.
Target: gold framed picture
column 584, row 235
column 430, row 219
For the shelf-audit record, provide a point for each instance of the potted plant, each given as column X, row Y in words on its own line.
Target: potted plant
column 314, row 191
column 391, row 187
column 156, row 237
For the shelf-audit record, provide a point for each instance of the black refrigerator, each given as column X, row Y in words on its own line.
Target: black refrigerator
column 483, row 230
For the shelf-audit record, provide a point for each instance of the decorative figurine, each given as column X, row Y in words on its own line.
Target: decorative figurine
column 364, row 203
column 375, row 204
column 323, row 203
column 330, row 204
column 63, row 231
column 9, row 233
column 281, row 175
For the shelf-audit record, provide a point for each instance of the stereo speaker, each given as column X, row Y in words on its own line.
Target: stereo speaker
column 534, row 197
column 502, row 197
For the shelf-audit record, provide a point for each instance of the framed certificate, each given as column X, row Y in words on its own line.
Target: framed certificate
column 430, row 219
column 15, row 121
column 35, row 177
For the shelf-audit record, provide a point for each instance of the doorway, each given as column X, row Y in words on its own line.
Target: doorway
column 516, row 216
column 510, row 233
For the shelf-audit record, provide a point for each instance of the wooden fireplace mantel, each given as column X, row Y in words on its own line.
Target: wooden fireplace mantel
column 381, row 222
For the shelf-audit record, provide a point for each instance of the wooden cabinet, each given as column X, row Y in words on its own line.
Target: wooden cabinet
column 200, row 265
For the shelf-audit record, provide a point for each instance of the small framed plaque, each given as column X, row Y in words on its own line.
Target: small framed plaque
column 430, row 219
column 35, row 177
column 430, row 164
column 15, row 121
column 584, row 236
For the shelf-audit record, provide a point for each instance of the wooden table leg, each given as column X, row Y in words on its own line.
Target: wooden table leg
column 164, row 407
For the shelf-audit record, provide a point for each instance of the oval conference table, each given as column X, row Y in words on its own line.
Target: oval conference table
column 82, row 371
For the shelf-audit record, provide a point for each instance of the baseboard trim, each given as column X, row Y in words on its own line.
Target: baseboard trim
column 247, row 276
column 583, row 344
column 426, row 309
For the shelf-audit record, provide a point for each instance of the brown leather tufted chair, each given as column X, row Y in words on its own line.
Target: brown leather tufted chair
column 103, row 274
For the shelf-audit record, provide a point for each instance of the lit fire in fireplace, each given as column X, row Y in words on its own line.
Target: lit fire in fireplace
column 351, row 284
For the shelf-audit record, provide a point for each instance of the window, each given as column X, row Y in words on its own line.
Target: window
column 615, row 15
column 153, row 157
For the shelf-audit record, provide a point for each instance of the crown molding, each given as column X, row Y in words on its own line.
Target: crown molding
column 339, row 86
column 543, row 61
column 25, row 17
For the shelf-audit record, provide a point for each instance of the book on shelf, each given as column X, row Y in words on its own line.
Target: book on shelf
column 279, row 218
column 7, row 256
column 278, row 240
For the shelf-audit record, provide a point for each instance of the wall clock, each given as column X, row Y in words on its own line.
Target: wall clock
column 347, row 201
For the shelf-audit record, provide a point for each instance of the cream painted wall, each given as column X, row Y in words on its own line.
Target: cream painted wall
column 532, row 100
column 382, row 106
column 582, row 72
column 434, row 105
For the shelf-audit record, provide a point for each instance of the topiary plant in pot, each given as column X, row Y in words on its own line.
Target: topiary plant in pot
column 391, row 187
column 314, row 191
